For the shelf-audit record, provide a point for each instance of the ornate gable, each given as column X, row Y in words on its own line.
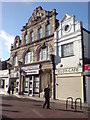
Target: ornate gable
column 37, row 15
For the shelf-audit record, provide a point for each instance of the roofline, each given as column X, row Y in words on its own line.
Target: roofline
column 86, row 30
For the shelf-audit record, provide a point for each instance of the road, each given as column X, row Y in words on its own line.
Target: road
column 13, row 107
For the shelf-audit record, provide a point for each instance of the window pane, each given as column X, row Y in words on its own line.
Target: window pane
column 40, row 32
column 44, row 54
column 32, row 36
column 29, row 57
column 67, row 50
column 26, row 38
column 15, row 61
column 47, row 30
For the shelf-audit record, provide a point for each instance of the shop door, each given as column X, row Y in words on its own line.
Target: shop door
column 36, row 86
column 31, row 85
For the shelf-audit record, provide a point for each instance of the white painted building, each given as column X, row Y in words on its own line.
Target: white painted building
column 4, row 81
column 71, row 43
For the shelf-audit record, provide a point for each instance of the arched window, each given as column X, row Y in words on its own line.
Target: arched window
column 28, row 58
column 43, row 54
column 47, row 29
column 15, row 61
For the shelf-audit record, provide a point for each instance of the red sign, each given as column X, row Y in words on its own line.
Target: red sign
column 87, row 67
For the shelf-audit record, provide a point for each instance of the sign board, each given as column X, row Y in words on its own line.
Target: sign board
column 32, row 67
column 69, row 70
column 31, row 72
column 87, row 67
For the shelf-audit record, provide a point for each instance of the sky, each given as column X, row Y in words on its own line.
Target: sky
column 16, row 14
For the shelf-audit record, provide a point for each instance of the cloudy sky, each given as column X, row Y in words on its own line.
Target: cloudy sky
column 16, row 14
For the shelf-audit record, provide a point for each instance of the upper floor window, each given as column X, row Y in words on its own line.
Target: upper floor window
column 67, row 50
column 58, row 35
column 47, row 30
column 32, row 36
column 28, row 58
column 44, row 54
column 15, row 61
column 40, row 32
column 26, row 38
column 16, row 44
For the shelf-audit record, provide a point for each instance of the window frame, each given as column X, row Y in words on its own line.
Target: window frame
column 47, row 30
column 28, row 58
column 26, row 38
column 43, row 54
column 40, row 33
column 32, row 36
column 68, row 47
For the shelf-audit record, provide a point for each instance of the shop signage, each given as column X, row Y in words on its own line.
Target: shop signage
column 69, row 70
column 32, row 67
column 31, row 72
column 87, row 67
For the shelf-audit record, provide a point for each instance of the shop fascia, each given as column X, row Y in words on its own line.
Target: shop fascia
column 70, row 70
column 30, row 70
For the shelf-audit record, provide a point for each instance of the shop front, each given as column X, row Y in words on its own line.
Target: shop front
column 31, row 80
column 69, row 83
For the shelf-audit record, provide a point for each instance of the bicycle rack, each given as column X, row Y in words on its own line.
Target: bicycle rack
column 71, row 102
column 76, row 103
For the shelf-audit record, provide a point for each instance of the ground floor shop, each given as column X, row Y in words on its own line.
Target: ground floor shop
column 70, row 83
column 34, row 79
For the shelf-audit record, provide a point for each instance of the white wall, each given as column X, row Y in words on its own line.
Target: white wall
column 73, row 35
column 4, row 74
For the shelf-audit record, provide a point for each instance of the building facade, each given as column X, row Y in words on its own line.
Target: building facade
column 71, row 43
column 31, row 65
column 4, row 77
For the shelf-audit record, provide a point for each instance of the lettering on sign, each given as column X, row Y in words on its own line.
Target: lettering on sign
column 69, row 70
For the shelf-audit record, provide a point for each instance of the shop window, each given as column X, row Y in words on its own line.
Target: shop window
column 40, row 33
column 2, row 82
column 67, row 50
column 28, row 57
column 48, row 30
column 26, row 84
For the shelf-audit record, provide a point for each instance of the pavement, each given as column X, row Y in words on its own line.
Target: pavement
column 31, row 107
column 40, row 99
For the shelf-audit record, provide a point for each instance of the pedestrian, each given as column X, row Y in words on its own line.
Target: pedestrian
column 9, row 89
column 47, row 97
column 12, row 88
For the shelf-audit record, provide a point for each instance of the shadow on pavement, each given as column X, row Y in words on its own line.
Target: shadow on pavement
column 11, row 110
column 5, row 105
column 69, row 110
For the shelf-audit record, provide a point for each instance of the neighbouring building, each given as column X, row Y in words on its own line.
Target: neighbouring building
column 72, row 46
column 31, row 59
column 4, row 77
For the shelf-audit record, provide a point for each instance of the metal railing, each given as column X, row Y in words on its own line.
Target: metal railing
column 80, row 101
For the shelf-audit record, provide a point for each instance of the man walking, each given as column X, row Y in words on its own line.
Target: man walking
column 47, row 97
